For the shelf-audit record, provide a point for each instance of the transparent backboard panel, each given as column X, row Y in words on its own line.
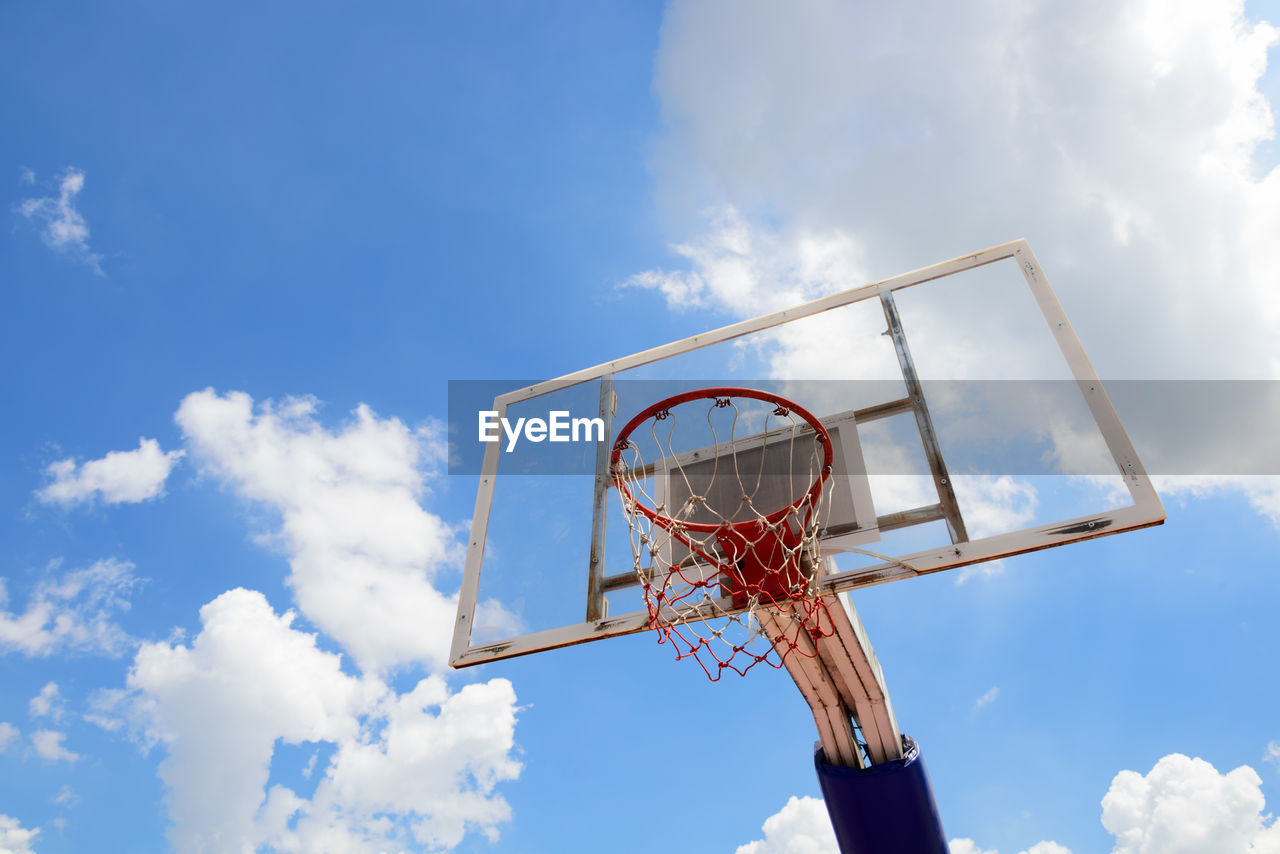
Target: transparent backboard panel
column 970, row 426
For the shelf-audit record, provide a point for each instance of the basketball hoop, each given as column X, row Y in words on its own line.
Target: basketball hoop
column 707, row 557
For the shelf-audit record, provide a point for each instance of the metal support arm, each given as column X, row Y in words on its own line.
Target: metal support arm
column 842, row 682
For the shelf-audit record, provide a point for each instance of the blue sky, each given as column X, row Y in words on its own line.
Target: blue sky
column 229, row 230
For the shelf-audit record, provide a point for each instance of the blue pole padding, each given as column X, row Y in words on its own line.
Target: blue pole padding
column 885, row 808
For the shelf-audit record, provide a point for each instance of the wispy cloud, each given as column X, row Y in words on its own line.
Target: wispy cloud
column 63, row 227
column 987, row 569
column 987, row 698
column 73, row 611
column 1262, row 491
column 739, row 267
column 47, row 744
column 48, row 703
column 119, row 477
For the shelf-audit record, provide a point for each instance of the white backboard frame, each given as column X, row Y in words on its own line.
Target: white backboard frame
column 1146, row 509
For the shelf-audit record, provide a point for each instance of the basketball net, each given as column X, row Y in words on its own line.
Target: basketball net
column 710, row 561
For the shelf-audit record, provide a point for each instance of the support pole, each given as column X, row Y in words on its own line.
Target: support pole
column 885, row 808
column 877, row 791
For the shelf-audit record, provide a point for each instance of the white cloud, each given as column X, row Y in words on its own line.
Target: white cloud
column 105, row 708
column 968, row 846
column 741, row 268
column 310, row 767
column 438, row 771
column 247, row 680
column 1119, row 138
column 1273, row 753
column 1124, row 139
column 682, row 289
column 990, row 505
column 47, row 703
column 987, row 698
column 802, row 826
column 8, row 734
column 47, row 744
column 362, row 551
column 994, row 504
column 64, row 227
column 1047, row 848
column 119, row 477
column 75, row 611
column 986, row 569
column 1184, row 806
column 14, row 838
column 418, row 769
column 1261, row 491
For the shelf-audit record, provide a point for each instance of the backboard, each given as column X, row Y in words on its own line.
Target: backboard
column 967, row 424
